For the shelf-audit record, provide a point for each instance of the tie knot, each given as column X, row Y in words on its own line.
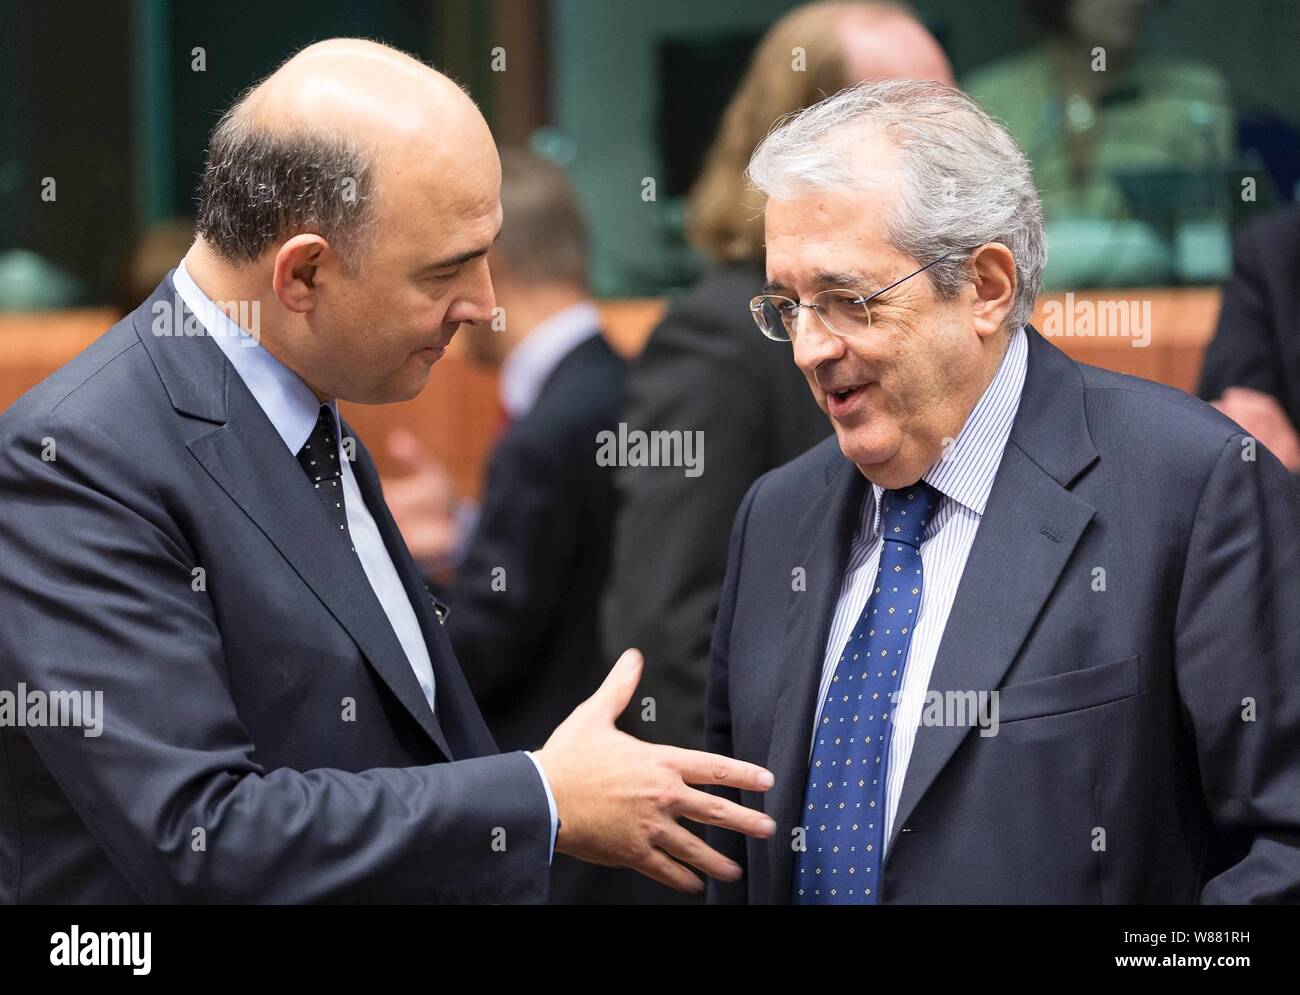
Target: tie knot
column 319, row 456
column 905, row 512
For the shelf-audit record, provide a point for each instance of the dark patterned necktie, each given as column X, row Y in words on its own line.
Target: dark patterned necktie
column 319, row 458
column 844, row 801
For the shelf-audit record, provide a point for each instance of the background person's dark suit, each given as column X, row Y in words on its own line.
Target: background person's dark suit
column 224, row 707
column 704, row 368
column 1257, row 341
column 1120, row 710
column 532, row 652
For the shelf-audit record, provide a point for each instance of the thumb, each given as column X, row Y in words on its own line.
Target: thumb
column 612, row 697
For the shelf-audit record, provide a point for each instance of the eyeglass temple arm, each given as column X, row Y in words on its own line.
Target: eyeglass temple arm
column 932, row 262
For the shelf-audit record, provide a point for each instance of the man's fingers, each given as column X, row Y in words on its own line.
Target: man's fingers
column 666, row 871
column 698, row 806
column 612, row 697
column 680, row 842
column 698, row 767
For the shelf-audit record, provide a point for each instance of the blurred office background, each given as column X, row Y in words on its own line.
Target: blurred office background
column 113, row 101
column 105, row 108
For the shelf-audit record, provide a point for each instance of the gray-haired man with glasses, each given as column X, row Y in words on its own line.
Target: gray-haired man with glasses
column 1014, row 635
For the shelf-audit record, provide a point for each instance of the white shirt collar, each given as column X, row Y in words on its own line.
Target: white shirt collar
column 290, row 404
column 525, row 370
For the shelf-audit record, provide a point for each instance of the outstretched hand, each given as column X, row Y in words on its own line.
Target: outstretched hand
column 619, row 798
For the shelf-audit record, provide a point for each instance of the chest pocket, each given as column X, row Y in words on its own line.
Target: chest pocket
column 1071, row 692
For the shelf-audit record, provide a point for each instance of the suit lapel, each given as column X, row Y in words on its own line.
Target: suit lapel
column 1031, row 525
column 249, row 461
column 822, row 537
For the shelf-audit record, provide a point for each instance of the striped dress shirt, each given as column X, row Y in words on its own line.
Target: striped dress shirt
column 964, row 476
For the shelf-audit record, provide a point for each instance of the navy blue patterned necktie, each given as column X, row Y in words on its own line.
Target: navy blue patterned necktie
column 844, row 801
column 319, row 458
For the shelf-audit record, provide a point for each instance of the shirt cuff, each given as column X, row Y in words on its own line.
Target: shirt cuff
column 550, row 802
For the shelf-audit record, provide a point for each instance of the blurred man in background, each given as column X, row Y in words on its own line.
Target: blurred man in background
column 704, row 370
column 1121, row 138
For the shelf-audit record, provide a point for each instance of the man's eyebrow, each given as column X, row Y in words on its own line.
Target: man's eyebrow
column 848, row 279
column 461, row 258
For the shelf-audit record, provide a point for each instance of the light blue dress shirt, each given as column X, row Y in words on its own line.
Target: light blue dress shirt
column 293, row 408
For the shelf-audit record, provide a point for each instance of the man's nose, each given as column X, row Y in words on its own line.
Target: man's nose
column 476, row 299
column 814, row 343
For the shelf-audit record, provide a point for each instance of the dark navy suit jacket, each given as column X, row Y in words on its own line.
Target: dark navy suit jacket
column 1149, row 741
column 265, row 739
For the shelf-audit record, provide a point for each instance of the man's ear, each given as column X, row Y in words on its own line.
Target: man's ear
column 994, row 271
column 294, row 274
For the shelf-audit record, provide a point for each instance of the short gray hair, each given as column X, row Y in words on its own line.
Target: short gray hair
column 261, row 186
column 964, row 180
